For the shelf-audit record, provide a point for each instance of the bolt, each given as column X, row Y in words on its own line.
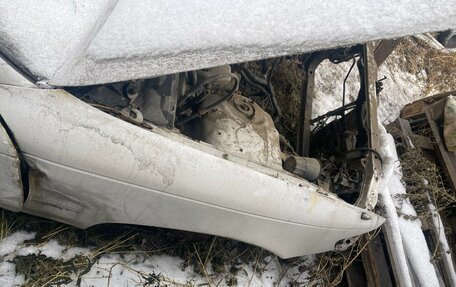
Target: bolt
column 365, row 216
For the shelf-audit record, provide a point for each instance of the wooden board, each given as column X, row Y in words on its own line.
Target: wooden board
column 376, row 265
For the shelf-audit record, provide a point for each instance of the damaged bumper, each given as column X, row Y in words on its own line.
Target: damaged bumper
column 87, row 168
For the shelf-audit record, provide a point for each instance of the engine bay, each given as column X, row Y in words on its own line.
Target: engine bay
column 235, row 109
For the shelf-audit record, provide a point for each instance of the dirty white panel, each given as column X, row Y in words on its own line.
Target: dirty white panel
column 88, row 167
column 11, row 196
column 89, row 42
column 10, row 76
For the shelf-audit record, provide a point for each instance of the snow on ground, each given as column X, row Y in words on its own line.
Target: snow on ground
column 8, row 246
column 127, row 270
column 329, row 80
column 446, row 255
column 408, row 239
column 400, row 88
column 110, row 270
column 137, row 268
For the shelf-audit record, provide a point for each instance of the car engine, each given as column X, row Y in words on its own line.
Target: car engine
column 209, row 106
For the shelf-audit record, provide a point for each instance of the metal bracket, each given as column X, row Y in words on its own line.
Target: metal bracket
column 307, row 94
column 372, row 164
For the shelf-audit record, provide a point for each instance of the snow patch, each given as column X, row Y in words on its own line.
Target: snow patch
column 9, row 244
column 8, row 275
column 407, row 237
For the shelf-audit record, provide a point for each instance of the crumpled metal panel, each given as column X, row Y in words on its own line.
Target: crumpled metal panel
column 11, row 192
column 87, row 167
column 93, row 42
column 242, row 128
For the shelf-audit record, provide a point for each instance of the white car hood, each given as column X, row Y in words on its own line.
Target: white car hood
column 73, row 43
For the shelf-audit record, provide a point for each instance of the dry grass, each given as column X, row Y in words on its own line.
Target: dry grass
column 226, row 258
column 40, row 270
column 424, row 185
column 439, row 67
column 331, row 266
column 5, row 225
column 423, row 179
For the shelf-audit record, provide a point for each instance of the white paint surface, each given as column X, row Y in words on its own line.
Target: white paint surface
column 11, row 194
column 89, row 168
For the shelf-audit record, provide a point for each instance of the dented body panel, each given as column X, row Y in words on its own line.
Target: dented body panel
column 87, row 168
column 11, row 191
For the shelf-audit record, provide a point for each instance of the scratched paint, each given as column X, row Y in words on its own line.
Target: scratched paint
column 11, row 194
column 107, row 170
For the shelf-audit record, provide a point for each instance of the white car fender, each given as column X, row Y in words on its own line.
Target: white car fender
column 88, row 167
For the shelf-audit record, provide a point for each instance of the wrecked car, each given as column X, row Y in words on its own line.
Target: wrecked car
column 120, row 113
